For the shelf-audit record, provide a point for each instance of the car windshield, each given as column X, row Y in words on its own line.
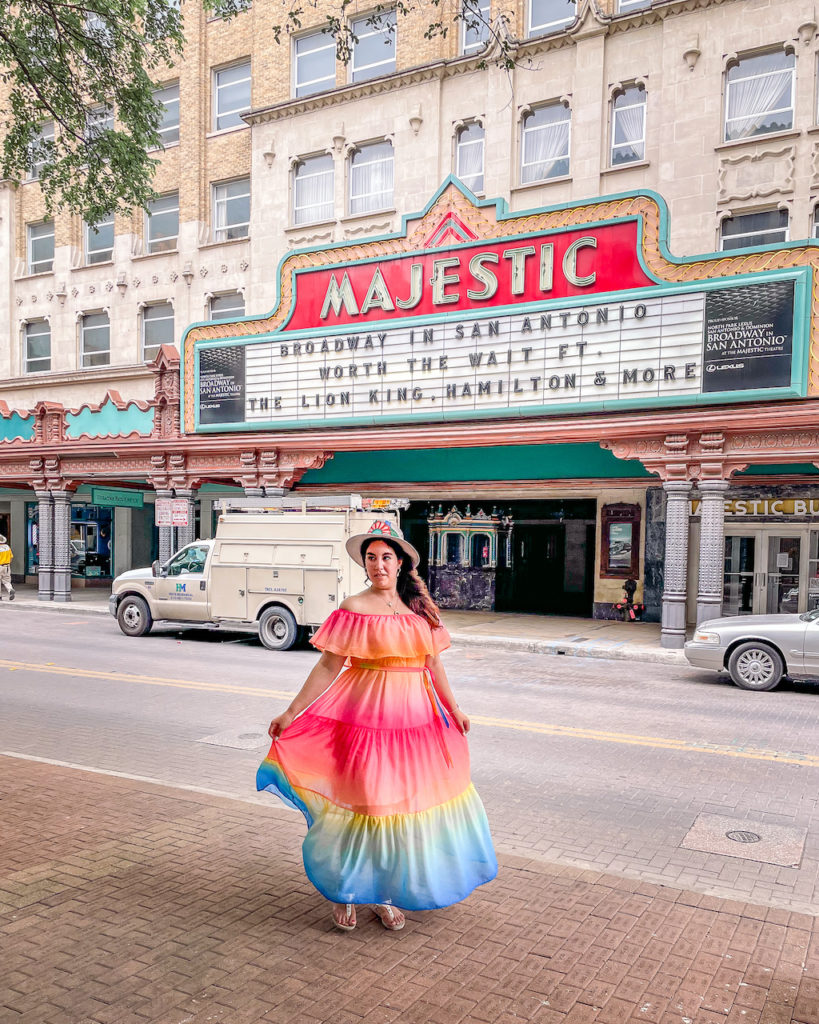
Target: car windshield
column 810, row 616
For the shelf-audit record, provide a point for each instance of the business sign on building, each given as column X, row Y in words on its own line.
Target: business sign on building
column 540, row 322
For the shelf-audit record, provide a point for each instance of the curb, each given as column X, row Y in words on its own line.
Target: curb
column 625, row 651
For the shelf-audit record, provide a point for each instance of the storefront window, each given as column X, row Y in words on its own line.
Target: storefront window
column 90, row 539
column 481, row 550
column 813, row 571
column 453, row 548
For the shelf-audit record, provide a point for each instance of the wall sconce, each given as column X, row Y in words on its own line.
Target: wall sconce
column 187, row 274
column 122, row 284
column 691, row 54
column 415, row 119
column 61, row 293
column 269, row 156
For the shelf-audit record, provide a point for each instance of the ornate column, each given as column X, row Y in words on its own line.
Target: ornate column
column 712, row 549
column 676, row 562
column 45, row 546
column 187, row 534
column 166, row 548
column 62, row 545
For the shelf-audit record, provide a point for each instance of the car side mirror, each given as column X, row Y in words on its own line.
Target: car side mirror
column 157, row 570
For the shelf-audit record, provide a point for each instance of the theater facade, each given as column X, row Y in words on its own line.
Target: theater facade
column 563, row 404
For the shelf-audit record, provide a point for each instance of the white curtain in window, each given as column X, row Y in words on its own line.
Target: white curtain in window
column 373, row 180
column 630, row 123
column 752, row 98
column 314, row 190
column 544, row 147
column 470, row 160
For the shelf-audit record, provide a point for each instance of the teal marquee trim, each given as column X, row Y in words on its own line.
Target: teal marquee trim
column 112, row 418
column 15, row 426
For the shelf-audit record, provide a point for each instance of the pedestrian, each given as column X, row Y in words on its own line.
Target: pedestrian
column 377, row 758
column 5, row 568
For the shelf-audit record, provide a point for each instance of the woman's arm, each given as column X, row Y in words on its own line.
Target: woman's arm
column 444, row 691
column 328, row 667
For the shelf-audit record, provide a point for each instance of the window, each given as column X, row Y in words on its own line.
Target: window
column 454, row 546
column 95, row 340
column 98, row 119
column 157, row 328
column 41, row 247
column 469, row 156
column 475, row 32
column 481, row 550
column 624, row 6
column 37, row 343
column 549, row 15
column 40, row 149
column 816, row 222
column 231, row 96
column 371, row 178
column 188, row 560
column 374, row 48
column 759, row 95
column 162, row 223
column 628, row 126
column 754, row 229
column 313, row 190
column 169, row 125
column 231, row 210
column 229, row 306
column 545, row 143
column 99, row 241
column 314, row 67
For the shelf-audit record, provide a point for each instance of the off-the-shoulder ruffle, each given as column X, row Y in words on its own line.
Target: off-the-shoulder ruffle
column 357, row 635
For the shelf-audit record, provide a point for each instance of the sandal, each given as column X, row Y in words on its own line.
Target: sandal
column 349, row 910
column 385, row 913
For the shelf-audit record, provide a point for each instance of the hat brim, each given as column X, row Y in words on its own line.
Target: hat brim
column 354, row 543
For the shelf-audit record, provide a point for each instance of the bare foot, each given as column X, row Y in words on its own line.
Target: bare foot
column 391, row 917
column 344, row 916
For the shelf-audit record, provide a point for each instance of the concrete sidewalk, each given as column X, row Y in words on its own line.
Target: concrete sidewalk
column 126, row 902
column 539, row 634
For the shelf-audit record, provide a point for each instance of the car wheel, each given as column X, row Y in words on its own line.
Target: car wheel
column 756, row 666
column 277, row 629
column 133, row 616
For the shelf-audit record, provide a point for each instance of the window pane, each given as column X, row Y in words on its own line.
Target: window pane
column 475, row 14
column 231, row 213
column 632, row 5
column 169, row 126
column 40, row 149
column 99, row 241
column 374, row 53
column 759, row 96
column 232, row 97
column 41, row 247
column 469, row 156
column 755, row 229
column 163, row 223
column 816, row 222
column 628, row 126
column 315, row 64
column 546, row 143
column 157, row 328
column 38, row 347
column 371, row 178
column 96, row 340
column 549, row 15
column 98, row 119
column 313, row 190
column 227, row 307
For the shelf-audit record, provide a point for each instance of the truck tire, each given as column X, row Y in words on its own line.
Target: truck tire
column 277, row 629
column 756, row 666
column 133, row 616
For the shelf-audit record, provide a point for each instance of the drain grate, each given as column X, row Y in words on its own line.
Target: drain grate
column 743, row 837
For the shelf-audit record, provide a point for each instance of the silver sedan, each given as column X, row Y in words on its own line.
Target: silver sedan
column 758, row 650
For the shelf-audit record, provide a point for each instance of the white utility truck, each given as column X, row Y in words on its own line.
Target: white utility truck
column 268, row 567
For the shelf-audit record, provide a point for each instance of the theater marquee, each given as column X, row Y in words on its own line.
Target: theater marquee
column 548, row 322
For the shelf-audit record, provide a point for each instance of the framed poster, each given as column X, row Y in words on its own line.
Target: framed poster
column 620, row 541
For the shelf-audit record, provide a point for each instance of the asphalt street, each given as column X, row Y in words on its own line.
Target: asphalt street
column 596, row 764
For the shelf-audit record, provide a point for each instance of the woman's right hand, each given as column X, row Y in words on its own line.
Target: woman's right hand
column 280, row 723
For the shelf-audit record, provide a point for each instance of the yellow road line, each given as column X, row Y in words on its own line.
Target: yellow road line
column 521, row 725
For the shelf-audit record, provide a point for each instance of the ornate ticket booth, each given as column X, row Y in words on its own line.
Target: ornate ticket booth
column 466, row 550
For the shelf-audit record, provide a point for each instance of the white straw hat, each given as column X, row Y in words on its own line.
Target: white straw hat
column 381, row 529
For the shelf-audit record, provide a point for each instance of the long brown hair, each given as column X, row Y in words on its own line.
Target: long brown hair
column 411, row 588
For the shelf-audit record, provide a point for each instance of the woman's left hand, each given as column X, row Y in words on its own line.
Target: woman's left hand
column 460, row 719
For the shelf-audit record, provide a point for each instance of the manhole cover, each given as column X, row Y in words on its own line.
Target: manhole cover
column 259, row 737
column 743, row 837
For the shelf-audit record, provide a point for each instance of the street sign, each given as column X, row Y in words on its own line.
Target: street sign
column 116, row 497
column 163, row 512
column 179, row 512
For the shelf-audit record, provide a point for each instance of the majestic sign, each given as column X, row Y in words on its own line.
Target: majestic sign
column 542, row 322
column 742, row 507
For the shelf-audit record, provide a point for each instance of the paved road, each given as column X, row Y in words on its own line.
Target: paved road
column 592, row 764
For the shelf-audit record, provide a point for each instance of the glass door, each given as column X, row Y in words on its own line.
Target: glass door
column 785, row 582
column 739, row 590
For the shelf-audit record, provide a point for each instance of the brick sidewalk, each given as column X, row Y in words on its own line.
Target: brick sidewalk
column 122, row 901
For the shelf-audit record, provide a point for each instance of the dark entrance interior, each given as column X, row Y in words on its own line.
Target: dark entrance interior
column 552, row 570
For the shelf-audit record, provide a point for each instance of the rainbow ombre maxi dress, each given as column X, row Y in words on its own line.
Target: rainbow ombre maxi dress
column 381, row 775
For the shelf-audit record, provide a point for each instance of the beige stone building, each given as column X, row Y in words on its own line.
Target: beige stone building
column 709, row 106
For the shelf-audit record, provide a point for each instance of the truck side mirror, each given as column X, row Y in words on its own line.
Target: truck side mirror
column 155, row 568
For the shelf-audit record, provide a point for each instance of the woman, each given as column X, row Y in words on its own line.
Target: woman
column 377, row 759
